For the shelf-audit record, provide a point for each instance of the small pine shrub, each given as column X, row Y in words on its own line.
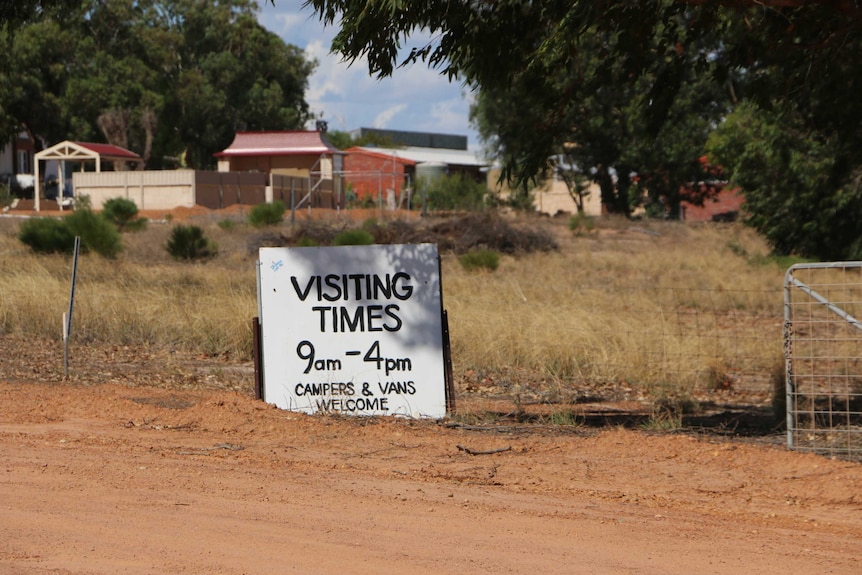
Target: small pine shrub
column 306, row 242
column 123, row 213
column 189, row 243
column 263, row 215
column 581, row 223
column 47, row 235
column 353, row 238
column 97, row 233
column 480, row 259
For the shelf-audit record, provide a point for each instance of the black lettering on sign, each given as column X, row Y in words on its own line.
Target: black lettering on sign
column 397, row 387
column 356, row 287
column 339, row 319
column 325, row 388
column 352, row 405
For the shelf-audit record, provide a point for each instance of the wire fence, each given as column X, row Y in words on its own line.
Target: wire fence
column 823, row 349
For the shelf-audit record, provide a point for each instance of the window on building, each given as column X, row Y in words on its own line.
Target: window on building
column 24, row 162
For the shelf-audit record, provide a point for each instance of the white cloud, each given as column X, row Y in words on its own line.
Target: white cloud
column 383, row 118
column 328, row 79
column 290, row 24
column 415, row 98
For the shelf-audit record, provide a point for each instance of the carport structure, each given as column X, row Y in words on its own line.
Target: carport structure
column 79, row 152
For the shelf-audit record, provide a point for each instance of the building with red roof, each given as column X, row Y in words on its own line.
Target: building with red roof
column 299, row 152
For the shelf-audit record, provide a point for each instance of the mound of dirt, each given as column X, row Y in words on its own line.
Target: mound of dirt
column 459, row 234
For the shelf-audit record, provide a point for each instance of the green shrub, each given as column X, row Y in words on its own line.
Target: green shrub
column 5, row 195
column 47, row 235
column 50, row 235
column 454, row 193
column 227, row 225
column 581, row 223
column 480, row 259
column 306, row 242
column 97, row 233
column 370, row 224
column 353, row 238
column 263, row 215
column 123, row 213
column 189, row 243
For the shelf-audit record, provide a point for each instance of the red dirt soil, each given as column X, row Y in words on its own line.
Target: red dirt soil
column 109, row 479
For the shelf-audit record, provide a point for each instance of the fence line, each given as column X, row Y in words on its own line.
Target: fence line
column 823, row 350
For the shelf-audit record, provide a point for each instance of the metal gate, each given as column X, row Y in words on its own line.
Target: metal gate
column 823, row 358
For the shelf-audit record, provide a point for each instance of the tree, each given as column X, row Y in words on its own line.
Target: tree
column 17, row 13
column 492, row 44
column 793, row 58
column 32, row 78
column 344, row 140
column 230, row 74
column 601, row 127
column 787, row 172
column 163, row 78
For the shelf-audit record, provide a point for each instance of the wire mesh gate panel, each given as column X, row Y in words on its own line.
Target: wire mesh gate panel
column 823, row 358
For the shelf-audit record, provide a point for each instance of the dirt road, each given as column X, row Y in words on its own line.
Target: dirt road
column 109, row 479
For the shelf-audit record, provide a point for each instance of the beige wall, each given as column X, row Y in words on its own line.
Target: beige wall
column 271, row 164
column 150, row 190
column 552, row 196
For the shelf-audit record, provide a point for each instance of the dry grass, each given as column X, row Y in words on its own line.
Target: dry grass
column 668, row 305
column 655, row 309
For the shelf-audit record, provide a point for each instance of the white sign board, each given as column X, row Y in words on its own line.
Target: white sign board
column 354, row 330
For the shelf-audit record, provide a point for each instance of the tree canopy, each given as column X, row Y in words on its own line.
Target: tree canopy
column 637, row 86
column 171, row 80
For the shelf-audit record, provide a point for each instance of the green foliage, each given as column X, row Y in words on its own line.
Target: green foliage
column 267, row 214
column 306, row 242
column 635, row 86
column 57, row 235
column 608, row 134
column 344, row 140
column 581, row 223
column 167, row 80
column 5, row 195
column 97, row 233
column 189, row 243
column 480, row 260
column 123, row 213
column 360, row 237
column 15, row 13
column 47, row 235
column 562, row 417
column 370, row 225
column 455, row 192
column 227, row 225
column 797, row 193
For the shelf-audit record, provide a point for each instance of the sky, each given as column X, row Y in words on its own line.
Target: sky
column 415, row 99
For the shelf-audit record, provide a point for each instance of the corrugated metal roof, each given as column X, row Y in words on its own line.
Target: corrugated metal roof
column 279, row 143
column 380, row 154
column 426, row 155
column 107, row 150
column 68, row 150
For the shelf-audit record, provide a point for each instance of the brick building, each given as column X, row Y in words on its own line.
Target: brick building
column 723, row 206
column 372, row 174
